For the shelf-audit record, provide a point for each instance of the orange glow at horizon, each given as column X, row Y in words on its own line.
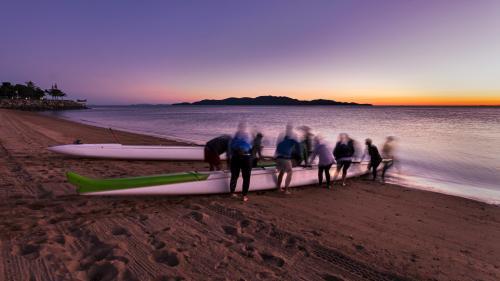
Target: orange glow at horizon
column 438, row 101
column 414, row 99
column 377, row 97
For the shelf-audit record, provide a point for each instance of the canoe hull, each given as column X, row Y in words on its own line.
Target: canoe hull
column 138, row 152
column 218, row 183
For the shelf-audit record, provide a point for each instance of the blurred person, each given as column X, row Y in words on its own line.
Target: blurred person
column 326, row 160
column 241, row 160
column 375, row 158
column 257, row 149
column 214, row 148
column 307, row 143
column 286, row 148
column 343, row 152
column 388, row 154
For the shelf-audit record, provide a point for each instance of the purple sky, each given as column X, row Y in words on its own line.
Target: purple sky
column 116, row 52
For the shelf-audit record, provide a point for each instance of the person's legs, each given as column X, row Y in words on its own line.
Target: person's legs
column 208, row 158
column 281, row 171
column 246, row 172
column 288, row 179
column 375, row 167
column 320, row 175
column 337, row 170
column 345, row 167
column 386, row 167
column 289, row 172
column 327, row 175
column 280, row 178
column 235, row 173
column 216, row 162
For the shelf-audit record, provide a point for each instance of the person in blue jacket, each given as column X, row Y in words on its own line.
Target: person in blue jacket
column 287, row 149
column 241, row 160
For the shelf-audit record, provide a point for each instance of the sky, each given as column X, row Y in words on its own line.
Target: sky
column 385, row 52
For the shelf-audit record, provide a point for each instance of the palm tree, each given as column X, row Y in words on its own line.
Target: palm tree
column 30, row 84
column 54, row 92
column 33, row 91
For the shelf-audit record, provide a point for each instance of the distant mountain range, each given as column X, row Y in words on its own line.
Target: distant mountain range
column 269, row 100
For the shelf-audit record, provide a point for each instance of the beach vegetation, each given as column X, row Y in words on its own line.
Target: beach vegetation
column 55, row 92
column 28, row 91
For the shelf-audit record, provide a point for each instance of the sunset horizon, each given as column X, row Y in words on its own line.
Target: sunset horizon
column 383, row 53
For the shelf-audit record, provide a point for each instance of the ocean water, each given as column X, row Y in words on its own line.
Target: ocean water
column 452, row 150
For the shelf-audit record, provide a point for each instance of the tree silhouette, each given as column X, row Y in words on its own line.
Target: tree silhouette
column 54, row 92
column 28, row 91
column 7, row 91
column 32, row 91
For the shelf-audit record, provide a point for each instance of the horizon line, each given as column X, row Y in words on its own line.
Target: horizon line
column 360, row 105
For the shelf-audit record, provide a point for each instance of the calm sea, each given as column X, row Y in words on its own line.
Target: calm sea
column 453, row 150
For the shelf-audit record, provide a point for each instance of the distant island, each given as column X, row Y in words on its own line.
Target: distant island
column 270, row 100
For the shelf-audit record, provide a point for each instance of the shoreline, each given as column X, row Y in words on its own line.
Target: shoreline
column 399, row 180
column 366, row 228
column 181, row 141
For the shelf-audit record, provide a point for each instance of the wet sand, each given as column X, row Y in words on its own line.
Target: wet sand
column 365, row 231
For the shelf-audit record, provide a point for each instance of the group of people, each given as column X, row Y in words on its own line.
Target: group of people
column 244, row 152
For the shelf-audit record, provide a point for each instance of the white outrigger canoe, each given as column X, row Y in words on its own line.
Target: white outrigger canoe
column 138, row 152
column 196, row 183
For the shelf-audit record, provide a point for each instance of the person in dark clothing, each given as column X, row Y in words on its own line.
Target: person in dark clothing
column 257, row 149
column 375, row 158
column 343, row 152
column 214, row 148
column 307, row 144
column 241, row 160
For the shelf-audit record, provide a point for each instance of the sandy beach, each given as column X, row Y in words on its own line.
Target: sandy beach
column 365, row 231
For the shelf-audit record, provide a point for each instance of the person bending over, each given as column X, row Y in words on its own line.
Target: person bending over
column 257, row 149
column 214, row 148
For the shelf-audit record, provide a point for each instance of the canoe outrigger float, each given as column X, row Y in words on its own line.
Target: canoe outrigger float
column 138, row 152
column 196, row 183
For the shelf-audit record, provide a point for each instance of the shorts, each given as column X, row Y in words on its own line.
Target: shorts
column 284, row 165
column 344, row 165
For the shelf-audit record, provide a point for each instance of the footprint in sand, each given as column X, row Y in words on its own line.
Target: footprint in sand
column 102, row 272
column 157, row 244
column 328, row 277
column 271, row 259
column 248, row 251
column 230, row 230
column 60, row 239
column 170, row 258
column 197, row 216
column 30, row 251
column 118, row 230
column 245, row 223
